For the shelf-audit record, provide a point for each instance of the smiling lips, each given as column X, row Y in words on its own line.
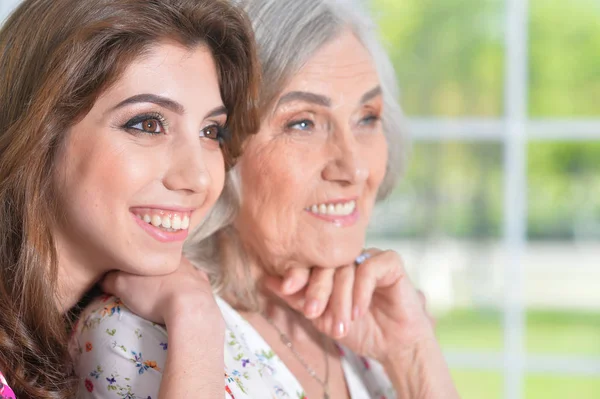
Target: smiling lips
column 333, row 209
column 342, row 213
column 164, row 225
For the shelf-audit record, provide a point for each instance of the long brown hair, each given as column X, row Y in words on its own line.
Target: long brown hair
column 56, row 58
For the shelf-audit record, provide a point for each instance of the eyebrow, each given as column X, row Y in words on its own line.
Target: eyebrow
column 166, row 103
column 321, row 100
column 154, row 99
column 371, row 94
column 304, row 96
column 218, row 111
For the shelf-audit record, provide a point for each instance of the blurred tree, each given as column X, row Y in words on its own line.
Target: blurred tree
column 448, row 54
column 564, row 64
column 449, row 57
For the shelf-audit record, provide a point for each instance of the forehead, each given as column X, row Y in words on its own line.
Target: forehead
column 171, row 70
column 342, row 67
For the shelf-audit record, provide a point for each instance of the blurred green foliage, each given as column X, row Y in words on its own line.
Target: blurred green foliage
column 548, row 332
column 489, row 385
column 449, row 57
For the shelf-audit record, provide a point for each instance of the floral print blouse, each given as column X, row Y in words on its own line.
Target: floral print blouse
column 5, row 391
column 120, row 355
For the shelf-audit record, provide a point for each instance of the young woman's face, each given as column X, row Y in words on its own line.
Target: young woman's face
column 144, row 166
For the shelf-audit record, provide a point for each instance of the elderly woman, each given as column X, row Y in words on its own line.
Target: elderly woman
column 329, row 146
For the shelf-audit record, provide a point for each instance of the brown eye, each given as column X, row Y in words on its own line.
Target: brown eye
column 212, row 132
column 149, row 124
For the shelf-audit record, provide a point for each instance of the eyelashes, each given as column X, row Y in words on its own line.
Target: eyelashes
column 154, row 124
column 308, row 125
column 216, row 132
column 151, row 123
column 370, row 120
column 300, row 124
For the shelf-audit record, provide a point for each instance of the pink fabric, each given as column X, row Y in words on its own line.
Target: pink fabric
column 5, row 391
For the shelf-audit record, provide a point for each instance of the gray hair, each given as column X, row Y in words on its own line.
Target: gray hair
column 288, row 33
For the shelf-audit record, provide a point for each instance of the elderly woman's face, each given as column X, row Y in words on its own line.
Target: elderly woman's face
column 310, row 176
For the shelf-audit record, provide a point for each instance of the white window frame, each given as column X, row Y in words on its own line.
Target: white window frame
column 514, row 131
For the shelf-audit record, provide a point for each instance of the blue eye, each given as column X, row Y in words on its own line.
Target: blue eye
column 303, row 124
column 370, row 120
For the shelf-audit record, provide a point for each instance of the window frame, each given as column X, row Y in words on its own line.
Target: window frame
column 514, row 131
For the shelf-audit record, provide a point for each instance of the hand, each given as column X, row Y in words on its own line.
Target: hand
column 371, row 308
column 184, row 293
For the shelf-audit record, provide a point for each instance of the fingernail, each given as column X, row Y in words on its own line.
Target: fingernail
column 312, row 308
column 288, row 285
column 355, row 313
column 341, row 329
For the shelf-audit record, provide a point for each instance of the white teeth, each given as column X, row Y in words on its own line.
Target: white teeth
column 339, row 209
column 185, row 223
column 172, row 222
column 349, row 207
column 156, row 221
column 176, row 224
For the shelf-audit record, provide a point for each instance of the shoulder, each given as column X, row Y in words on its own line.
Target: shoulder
column 5, row 391
column 117, row 351
column 107, row 318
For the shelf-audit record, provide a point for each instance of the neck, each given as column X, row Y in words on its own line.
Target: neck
column 240, row 257
column 292, row 323
column 72, row 286
column 76, row 276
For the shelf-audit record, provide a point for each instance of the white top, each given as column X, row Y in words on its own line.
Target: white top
column 120, row 355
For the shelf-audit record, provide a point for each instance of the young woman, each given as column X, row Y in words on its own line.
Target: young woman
column 118, row 120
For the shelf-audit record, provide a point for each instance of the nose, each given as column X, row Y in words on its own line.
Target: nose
column 187, row 172
column 346, row 165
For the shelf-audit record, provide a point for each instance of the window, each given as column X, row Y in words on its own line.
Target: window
column 498, row 217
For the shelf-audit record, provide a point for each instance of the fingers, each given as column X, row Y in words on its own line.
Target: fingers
column 423, row 300
column 294, row 280
column 318, row 292
column 381, row 269
column 340, row 303
column 295, row 301
column 111, row 283
column 291, row 287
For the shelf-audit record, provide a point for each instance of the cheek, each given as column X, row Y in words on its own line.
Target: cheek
column 98, row 173
column 215, row 166
column 377, row 159
column 275, row 181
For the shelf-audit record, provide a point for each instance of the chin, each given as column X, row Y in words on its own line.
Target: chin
column 157, row 265
column 340, row 255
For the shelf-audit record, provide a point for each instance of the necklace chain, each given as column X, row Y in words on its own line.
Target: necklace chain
column 288, row 343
